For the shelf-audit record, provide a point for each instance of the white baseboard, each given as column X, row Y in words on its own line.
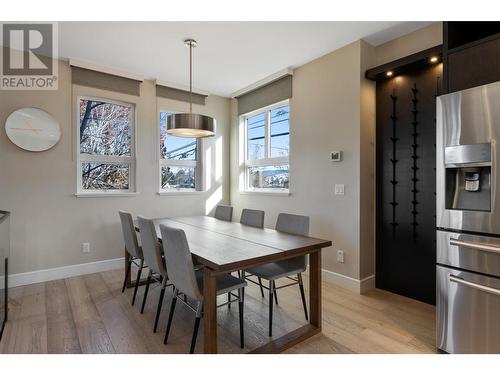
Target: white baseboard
column 58, row 273
column 366, row 284
column 26, row 278
column 358, row 286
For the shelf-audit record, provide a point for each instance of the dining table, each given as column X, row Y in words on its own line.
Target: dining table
column 223, row 247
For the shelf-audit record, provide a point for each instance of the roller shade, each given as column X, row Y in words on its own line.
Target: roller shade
column 105, row 81
column 178, row 94
column 263, row 96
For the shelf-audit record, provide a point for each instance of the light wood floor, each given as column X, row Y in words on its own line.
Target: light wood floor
column 89, row 314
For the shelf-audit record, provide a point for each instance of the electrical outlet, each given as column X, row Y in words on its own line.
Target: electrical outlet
column 339, row 189
column 340, row 256
column 85, row 247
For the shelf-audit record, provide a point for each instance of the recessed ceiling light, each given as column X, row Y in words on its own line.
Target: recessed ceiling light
column 434, row 59
column 389, row 73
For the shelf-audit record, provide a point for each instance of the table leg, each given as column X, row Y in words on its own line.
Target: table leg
column 209, row 311
column 315, row 288
column 128, row 281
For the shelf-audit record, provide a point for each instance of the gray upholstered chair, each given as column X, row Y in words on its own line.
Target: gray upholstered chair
column 254, row 218
column 153, row 252
column 223, row 212
column 134, row 250
column 188, row 283
column 294, row 224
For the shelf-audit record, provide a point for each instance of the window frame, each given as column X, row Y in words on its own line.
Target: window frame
column 197, row 164
column 107, row 159
column 266, row 161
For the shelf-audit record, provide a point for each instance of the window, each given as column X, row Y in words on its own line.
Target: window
column 179, row 164
column 106, row 155
column 267, row 140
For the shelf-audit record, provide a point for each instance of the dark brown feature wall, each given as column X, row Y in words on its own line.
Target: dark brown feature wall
column 406, row 133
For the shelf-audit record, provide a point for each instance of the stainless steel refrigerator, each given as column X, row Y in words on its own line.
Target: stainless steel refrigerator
column 468, row 221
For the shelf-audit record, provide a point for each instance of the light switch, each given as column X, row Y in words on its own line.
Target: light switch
column 339, row 189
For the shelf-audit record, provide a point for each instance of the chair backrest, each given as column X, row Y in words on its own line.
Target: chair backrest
column 151, row 247
column 130, row 235
column 224, row 212
column 254, row 218
column 294, row 224
column 179, row 262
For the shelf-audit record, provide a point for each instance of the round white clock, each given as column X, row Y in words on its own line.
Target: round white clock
column 32, row 129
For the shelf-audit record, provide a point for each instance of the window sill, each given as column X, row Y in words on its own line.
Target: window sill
column 179, row 192
column 106, row 195
column 280, row 193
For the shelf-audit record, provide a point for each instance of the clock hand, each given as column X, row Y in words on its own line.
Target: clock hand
column 28, row 123
column 36, row 130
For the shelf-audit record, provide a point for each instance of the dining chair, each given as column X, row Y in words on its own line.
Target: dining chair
column 133, row 249
column 153, row 252
column 294, row 224
column 253, row 218
column 223, row 212
column 189, row 283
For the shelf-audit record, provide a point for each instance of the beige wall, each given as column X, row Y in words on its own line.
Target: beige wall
column 419, row 40
column 326, row 115
column 49, row 223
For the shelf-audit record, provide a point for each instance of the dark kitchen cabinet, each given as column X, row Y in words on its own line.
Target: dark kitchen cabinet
column 474, row 66
column 471, row 54
column 4, row 256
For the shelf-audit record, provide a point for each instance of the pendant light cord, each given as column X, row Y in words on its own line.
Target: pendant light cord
column 191, row 77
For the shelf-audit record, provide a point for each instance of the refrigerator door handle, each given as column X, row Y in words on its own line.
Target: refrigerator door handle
column 475, row 245
column 483, row 288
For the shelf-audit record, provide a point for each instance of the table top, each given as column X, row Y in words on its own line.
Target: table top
column 227, row 246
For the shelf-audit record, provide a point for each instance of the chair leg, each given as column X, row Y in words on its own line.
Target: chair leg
column 137, row 281
column 302, row 294
column 127, row 272
column 275, row 293
column 241, row 301
column 170, row 315
column 146, row 290
column 261, row 288
column 271, row 292
column 158, row 309
column 228, row 301
column 195, row 334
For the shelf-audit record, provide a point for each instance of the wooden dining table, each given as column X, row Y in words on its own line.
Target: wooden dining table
column 223, row 247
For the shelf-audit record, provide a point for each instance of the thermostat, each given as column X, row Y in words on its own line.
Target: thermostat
column 336, row 156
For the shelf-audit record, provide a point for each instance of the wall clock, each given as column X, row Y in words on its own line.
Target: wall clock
column 32, row 129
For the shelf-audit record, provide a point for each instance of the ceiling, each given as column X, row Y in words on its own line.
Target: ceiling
column 229, row 56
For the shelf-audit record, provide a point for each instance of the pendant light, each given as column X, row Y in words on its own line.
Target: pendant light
column 190, row 124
